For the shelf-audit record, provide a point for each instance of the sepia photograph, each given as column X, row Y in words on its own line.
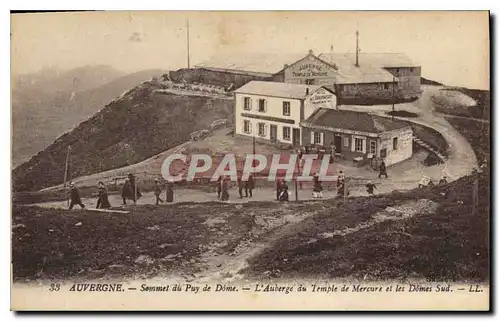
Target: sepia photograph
column 250, row 160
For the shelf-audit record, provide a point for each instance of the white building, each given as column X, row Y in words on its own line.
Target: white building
column 273, row 111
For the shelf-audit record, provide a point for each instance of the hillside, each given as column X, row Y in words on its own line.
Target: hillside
column 138, row 125
column 45, row 110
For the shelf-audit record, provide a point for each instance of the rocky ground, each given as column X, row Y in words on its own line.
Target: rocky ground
column 429, row 233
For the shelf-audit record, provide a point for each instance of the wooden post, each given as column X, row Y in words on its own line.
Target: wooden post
column 393, row 97
column 296, row 177
column 135, row 191
column 475, row 194
column 66, row 173
column 345, row 188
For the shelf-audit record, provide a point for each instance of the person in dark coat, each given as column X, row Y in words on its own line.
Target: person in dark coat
column 278, row 189
column 340, row 178
column 129, row 188
column 382, row 170
column 249, row 186
column 170, row 192
column 102, row 197
column 241, row 186
column 225, row 189
column 283, row 197
column 370, row 187
column 317, row 188
column 74, row 195
column 219, row 187
column 158, row 190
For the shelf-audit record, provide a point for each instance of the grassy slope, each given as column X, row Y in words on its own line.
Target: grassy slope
column 125, row 132
column 451, row 245
column 481, row 110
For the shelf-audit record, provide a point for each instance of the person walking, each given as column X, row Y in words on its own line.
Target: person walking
column 74, row 195
column 126, row 191
column 382, row 170
column 249, row 186
column 158, row 190
column 340, row 178
column 102, row 197
column 370, row 187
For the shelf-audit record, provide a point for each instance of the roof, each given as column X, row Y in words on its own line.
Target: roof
column 278, row 89
column 378, row 60
column 349, row 73
column 251, row 62
column 352, row 120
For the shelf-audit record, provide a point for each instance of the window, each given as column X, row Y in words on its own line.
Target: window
column 358, row 144
column 247, row 103
column 373, row 147
column 317, row 138
column 262, row 105
column 262, row 129
column 397, row 70
column 286, row 108
column 309, row 81
column 395, row 143
column 383, row 153
column 411, row 70
column 286, row 133
column 247, row 127
column 346, row 141
column 386, row 86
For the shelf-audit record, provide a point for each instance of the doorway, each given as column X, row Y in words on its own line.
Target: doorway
column 337, row 141
column 274, row 133
column 296, row 137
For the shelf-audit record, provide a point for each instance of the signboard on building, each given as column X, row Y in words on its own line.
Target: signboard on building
column 321, row 96
column 309, row 70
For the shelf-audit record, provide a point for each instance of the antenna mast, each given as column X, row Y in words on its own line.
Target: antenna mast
column 357, row 48
column 187, row 25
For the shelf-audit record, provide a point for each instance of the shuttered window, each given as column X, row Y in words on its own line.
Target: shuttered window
column 247, row 127
column 262, row 105
column 262, row 129
column 286, row 133
column 247, row 103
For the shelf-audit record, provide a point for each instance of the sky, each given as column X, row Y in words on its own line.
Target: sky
column 452, row 47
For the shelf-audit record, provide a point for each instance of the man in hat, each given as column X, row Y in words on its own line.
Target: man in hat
column 278, row 188
column 283, row 197
column 74, row 195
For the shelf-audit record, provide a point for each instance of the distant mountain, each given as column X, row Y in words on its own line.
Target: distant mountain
column 43, row 111
column 132, row 128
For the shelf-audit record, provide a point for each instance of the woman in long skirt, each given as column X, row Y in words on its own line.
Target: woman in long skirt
column 102, row 198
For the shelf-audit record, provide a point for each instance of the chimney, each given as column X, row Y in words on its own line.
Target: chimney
column 285, row 66
column 307, row 91
column 311, row 52
column 357, row 48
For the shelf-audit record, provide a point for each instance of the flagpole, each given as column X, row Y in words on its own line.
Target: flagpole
column 188, row 62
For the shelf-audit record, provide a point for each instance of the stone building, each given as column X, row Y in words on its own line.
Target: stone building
column 358, row 135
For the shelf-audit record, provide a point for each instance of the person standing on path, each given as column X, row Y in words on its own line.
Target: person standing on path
column 74, row 195
column 249, row 186
column 225, row 189
column 102, row 197
column 278, row 189
column 283, row 197
column 317, row 188
column 219, row 187
column 382, row 170
column 170, row 192
column 158, row 190
column 241, row 186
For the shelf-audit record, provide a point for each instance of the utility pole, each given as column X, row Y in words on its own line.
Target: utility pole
column 66, row 172
column 296, row 178
column 393, row 97
column 187, row 27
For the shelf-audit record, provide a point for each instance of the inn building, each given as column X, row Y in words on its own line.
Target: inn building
column 308, row 115
column 272, row 111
